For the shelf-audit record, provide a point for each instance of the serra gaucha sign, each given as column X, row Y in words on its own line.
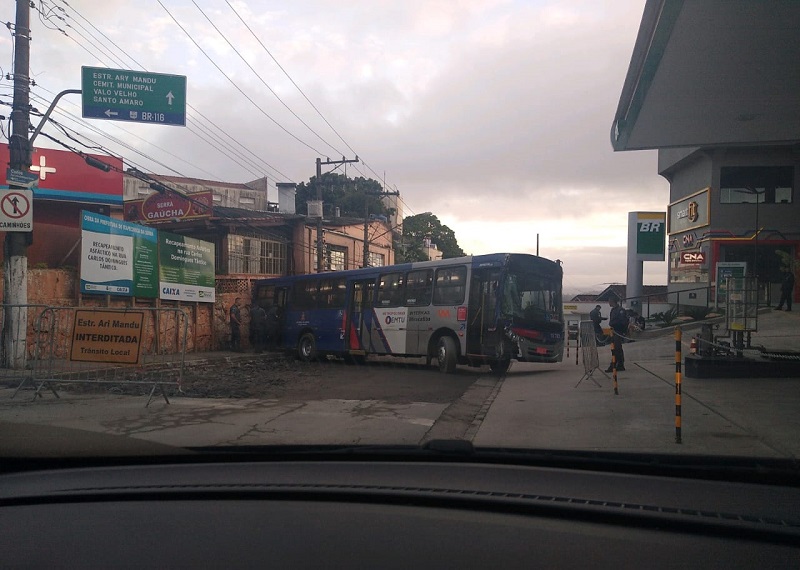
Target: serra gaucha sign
column 173, row 207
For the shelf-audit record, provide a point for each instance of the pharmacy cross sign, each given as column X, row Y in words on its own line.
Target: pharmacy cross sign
column 136, row 96
column 42, row 168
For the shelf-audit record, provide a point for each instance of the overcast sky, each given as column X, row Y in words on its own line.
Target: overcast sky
column 492, row 114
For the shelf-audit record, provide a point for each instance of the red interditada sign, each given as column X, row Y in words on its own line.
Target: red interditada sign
column 64, row 175
column 169, row 207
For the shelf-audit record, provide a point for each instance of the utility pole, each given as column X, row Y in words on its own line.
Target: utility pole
column 366, row 221
column 15, row 246
column 320, row 162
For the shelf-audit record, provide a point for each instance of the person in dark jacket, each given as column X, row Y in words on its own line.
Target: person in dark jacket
column 618, row 321
column 258, row 325
column 596, row 317
column 787, row 291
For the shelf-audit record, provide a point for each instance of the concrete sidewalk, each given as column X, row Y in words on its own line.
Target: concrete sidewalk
column 543, row 407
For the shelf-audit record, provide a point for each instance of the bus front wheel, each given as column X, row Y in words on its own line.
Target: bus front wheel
column 500, row 366
column 307, row 347
column 446, row 355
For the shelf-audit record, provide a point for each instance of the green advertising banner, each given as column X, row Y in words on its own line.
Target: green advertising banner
column 186, row 268
column 117, row 257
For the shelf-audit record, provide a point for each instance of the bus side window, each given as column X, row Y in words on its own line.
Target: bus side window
column 391, row 290
column 332, row 293
column 450, row 285
column 305, row 294
column 419, row 288
column 281, row 295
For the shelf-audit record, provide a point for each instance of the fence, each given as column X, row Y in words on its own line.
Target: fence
column 588, row 348
column 133, row 348
column 685, row 300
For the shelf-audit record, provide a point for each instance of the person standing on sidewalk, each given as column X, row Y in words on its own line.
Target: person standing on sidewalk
column 787, row 291
column 618, row 321
column 236, row 325
column 596, row 317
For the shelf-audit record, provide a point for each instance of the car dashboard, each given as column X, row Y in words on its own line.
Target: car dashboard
column 364, row 511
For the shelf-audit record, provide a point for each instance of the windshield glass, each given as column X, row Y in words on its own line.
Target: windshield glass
column 530, row 297
column 562, row 224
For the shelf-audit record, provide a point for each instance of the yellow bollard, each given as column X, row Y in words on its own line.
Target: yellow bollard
column 614, row 365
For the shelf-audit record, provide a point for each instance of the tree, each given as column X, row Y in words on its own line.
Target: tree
column 426, row 225
column 338, row 190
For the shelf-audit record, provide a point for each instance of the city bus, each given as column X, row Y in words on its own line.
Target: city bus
column 476, row 310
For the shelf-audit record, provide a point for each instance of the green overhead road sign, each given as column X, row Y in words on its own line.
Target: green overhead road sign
column 137, row 96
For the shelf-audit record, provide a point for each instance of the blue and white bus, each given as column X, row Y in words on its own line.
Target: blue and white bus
column 483, row 309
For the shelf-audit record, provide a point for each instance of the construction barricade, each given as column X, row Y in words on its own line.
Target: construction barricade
column 134, row 348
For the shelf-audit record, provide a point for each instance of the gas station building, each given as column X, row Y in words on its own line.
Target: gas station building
column 714, row 86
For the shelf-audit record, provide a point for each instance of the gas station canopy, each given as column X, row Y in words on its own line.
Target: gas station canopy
column 712, row 73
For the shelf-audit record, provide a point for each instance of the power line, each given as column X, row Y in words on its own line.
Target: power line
column 159, row 186
column 232, row 82
column 213, row 25
column 210, row 136
column 119, row 49
column 124, row 144
column 249, row 29
column 207, row 136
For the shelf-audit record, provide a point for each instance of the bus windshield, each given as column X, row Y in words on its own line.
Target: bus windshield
column 528, row 297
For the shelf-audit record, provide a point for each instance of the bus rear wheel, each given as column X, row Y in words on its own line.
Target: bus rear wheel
column 446, row 355
column 307, row 347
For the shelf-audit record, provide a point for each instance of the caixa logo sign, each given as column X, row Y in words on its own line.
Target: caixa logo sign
column 693, row 258
column 170, row 291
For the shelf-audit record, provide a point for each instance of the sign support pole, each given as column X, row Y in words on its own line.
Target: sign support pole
column 15, row 247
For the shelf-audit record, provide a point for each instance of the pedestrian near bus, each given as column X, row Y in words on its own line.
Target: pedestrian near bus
column 236, row 325
column 787, row 291
column 597, row 317
column 618, row 321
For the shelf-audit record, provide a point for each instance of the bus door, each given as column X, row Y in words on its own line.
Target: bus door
column 481, row 320
column 281, row 300
column 359, row 319
column 419, row 293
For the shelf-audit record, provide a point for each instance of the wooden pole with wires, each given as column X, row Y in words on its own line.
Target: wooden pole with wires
column 320, row 240
column 15, row 244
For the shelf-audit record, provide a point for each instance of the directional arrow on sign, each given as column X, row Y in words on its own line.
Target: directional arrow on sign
column 170, row 97
column 110, row 113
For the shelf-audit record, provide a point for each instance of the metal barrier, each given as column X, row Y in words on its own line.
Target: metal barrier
column 588, row 349
column 133, row 348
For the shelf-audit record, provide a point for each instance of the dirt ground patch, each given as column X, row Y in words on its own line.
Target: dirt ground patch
column 275, row 376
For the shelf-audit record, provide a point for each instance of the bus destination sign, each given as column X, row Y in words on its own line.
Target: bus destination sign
column 135, row 96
